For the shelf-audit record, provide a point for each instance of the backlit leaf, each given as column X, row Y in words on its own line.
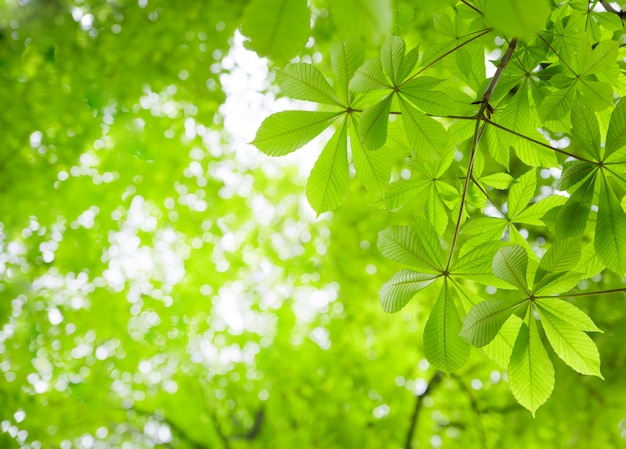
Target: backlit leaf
column 404, row 285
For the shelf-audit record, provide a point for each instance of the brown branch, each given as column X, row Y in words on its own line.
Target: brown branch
column 607, row 6
column 466, row 3
column 432, row 383
column 478, row 133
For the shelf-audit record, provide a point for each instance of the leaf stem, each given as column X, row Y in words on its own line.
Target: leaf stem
column 576, row 295
column 557, row 54
column 545, row 145
column 466, row 3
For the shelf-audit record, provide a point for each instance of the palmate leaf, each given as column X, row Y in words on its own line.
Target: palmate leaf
column 373, row 124
column 418, row 92
column 521, row 192
column 573, row 173
column 403, row 13
column 603, row 57
column 533, row 214
column 392, row 58
column 572, row 345
column 417, row 246
column 500, row 181
column 515, row 18
column 276, row 28
column 531, row 373
column 572, row 218
column 373, row 168
column 369, row 77
column 443, row 347
column 585, row 128
column 610, row 239
column 484, row 320
column 426, row 135
column 510, row 264
column 305, row 82
column 557, row 104
column 399, row 192
column 516, row 115
column 345, row 58
column 616, row 135
column 404, row 285
column 597, row 94
column 327, row 185
column 435, row 210
column 568, row 312
column 555, row 283
column 501, row 347
column 284, row 132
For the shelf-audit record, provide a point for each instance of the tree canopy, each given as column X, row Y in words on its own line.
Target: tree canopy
column 337, row 224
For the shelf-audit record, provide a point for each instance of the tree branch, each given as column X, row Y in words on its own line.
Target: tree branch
column 478, row 133
column 432, row 383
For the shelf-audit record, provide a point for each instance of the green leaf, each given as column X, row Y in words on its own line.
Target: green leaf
column 517, row 17
column 562, row 256
column 572, row 218
column 557, row 104
column 345, row 58
column 610, row 239
column 403, row 14
column 284, row 132
column 521, row 192
column 531, row 373
column 407, row 66
column 597, row 94
column 369, row 76
column 616, row 135
column 510, row 264
column 414, row 246
column 500, row 181
column 426, row 135
column 402, row 287
column 573, row 173
column 484, row 320
column 398, row 193
column 602, row 58
column 435, row 210
column 373, row 168
column 362, row 19
column 568, row 312
column 516, row 115
column 585, row 128
column 429, row 101
column 276, row 28
column 573, row 346
column 392, row 57
column 327, row 185
column 304, row 82
column 443, row 347
column 373, row 124
column 501, row 347
column 533, row 214
column 555, row 283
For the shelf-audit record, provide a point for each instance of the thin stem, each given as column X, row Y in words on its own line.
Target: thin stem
column 575, row 295
column 545, row 145
column 430, row 64
column 493, row 203
column 472, row 6
column 478, row 133
column 432, row 383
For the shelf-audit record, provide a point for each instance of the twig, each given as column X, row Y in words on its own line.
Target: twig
column 432, row 383
column 472, row 6
column 478, row 133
